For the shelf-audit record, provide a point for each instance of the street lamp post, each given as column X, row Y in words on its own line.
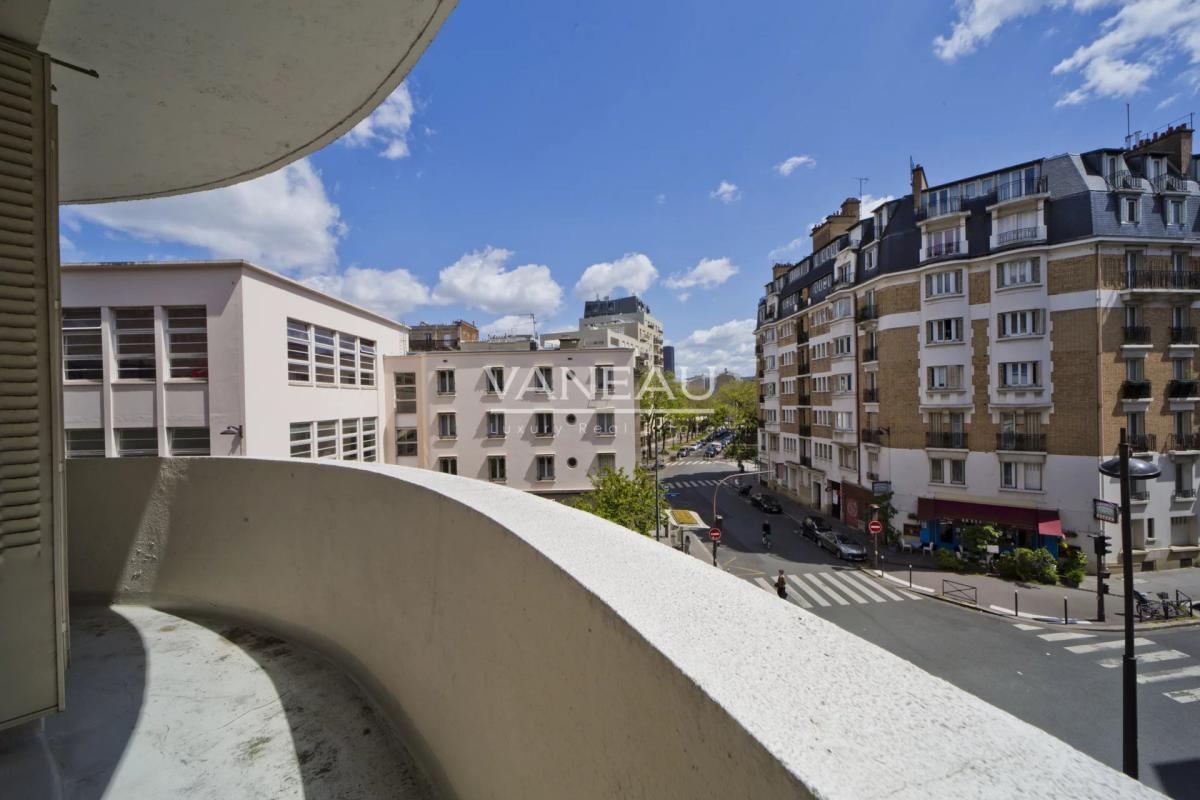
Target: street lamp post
column 654, row 455
column 1124, row 468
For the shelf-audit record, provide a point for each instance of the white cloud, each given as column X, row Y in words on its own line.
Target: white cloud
column 479, row 279
column 391, row 293
column 790, row 251
column 1134, row 44
column 789, row 166
column 729, row 345
column 283, row 220
column 870, row 202
column 388, row 126
column 633, row 272
column 1166, row 101
column 727, row 192
column 709, row 272
column 510, row 324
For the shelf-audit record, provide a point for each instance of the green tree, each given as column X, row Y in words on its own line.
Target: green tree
column 735, row 405
column 625, row 499
column 976, row 538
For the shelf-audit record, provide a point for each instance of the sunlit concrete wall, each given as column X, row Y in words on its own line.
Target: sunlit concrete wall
column 529, row 650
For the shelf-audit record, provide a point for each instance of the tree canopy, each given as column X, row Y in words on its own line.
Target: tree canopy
column 625, row 499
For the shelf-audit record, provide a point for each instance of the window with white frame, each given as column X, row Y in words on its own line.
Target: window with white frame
column 445, row 381
column 1183, row 478
column 606, row 423
column 1021, row 476
column 300, row 439
column 772, row 415
column 134, row 330
column 85, row 443
column 347, row 359
column 135, row 442
column 327, row 444
column 497, row 469
column 187, row 342
column 787, row 358
column 948, row 470
column 543, row 423
column 941, row 242
column 1131, row 209
column 448, row 465
column 958, row 471
column 447, row 425
column 406, row 392
column 495, row 425
column 843, row 307
column 1017, row 374
column 494, row 380
column 350, row 440
column 1013, row 324
column 949, row 376
column 869, row 259
column 769, row 362
column 606, row 461
column 189, row 441
column 1175, row 212
column 943, row 284
column 843, row 346
column 543, row 379
column 82, row 346
column 545, row 468
column 325, row 355
column 821, row 416
column 366, row 362
column 1021, row 272
column 843, row 383
column 942, row 331
column 299, row 351
column 848, row 458
column 606, row 380
column 370, row 438
column 406, row 442
column 843, row 420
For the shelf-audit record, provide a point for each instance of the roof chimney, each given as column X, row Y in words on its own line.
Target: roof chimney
column 918, row 183
column 1175, row 143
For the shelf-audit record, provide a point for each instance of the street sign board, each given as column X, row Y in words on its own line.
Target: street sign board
column 715, row 534
column 879, row 488
column 1105, row 511
column 875, row 526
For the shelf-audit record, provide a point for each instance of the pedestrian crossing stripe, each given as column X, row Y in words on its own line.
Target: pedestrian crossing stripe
column 1152, row 657
column 842, row 588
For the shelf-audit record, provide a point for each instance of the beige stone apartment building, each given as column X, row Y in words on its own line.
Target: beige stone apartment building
column 974, row 348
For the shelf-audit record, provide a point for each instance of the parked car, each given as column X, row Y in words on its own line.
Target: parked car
column 843, row 547
column 711, row 450
column 767, row 503
column 814, row 528
column 686, row 450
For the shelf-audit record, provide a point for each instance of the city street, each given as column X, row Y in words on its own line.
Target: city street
column 1063, row 679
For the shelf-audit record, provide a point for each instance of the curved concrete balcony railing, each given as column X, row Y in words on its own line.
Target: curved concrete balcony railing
column 525, row 649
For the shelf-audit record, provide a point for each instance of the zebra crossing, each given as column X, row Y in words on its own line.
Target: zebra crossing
column 817, row 590
column 697, row 460
column 691, row 483
column 1076, row 644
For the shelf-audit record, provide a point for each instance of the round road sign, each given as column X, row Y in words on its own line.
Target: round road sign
column 875, row 526
column 715, row 534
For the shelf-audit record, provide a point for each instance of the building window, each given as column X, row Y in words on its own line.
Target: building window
column 406, row 442
column 366, row 362
column 497, row 469
column 606, row 381
column 447, row 426
column 1131, row 209
column 1013, row 324
column 844, row 383
column 545, row 468
column 300, row 439
column 1175, row 212
column 85, row 443
column 936, row 471
column 1008, row 474
column 1023, row 272
column 83, row 350
column 941, row 243
column 544, row 379
column 448, row 465
column 327, row 446
column 495, row 426
column 135, row 343
column 137, row 442
column 324, row 344
column 406, row 392
column 1033, row 477
column 945, row 377
column 543, row 423
column 347, row 359
column 1179, row 262
column 189, row 441
column 606, row 461
column 958, row 472
column 941, row 331
column 843, row 420
column 1016, row 374
column 370, row 438
column 842, row 346
column 187, row 342
column 445, row 381
column 606, row 423
column 299, row 351
column 495, row 380
column 350, row 440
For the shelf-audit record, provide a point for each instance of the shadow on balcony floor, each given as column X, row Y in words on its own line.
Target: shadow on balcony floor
column 160, row 706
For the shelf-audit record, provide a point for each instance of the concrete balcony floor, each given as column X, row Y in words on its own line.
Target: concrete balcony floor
column 161, row 706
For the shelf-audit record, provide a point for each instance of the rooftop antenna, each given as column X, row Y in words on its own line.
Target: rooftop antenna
column 861, row 181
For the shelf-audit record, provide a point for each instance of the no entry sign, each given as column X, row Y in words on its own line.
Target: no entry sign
column 715, row 534
column 875, row 526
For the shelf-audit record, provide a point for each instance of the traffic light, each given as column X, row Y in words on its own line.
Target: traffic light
column 1103, row 545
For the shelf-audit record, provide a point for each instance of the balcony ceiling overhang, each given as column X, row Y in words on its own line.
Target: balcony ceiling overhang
column 196, row 95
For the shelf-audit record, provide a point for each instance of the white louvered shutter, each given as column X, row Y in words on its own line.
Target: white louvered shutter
column 32, row 636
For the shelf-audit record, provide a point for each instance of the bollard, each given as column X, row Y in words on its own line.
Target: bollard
column 1016, row 604
column 1065, row 618
column 910, row 576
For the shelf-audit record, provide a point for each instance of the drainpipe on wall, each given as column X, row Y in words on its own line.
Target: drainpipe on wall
column 1099, row 386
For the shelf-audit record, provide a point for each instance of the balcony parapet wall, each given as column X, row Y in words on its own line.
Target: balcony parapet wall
column 527, row 649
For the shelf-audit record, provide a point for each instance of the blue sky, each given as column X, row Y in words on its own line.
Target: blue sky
column 544, row 152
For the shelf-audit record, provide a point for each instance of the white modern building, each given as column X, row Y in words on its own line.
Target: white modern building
column 539, row 420
column 218, row 358
column 620, row 322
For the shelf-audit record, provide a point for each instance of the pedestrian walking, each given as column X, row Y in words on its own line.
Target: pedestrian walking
column 781, row 586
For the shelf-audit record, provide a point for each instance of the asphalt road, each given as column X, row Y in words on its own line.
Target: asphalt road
column 1064, row 680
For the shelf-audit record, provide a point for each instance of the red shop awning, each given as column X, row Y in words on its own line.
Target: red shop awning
column 1044, row 521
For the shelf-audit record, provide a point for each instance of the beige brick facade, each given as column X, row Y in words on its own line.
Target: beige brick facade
column 980, row 287
column 899, row 299
column 1071, row 275
column 1074, row 421
column 899, row 390
column 982, row 434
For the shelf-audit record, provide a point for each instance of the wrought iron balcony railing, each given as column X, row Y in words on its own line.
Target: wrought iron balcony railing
column 871, row 394
column 1017, row 235
column 1183, row 334
column 1182, row 389
column 933, row 210
column 1184, row 441
column 1123, row 180
column 1021, row 187
column 954, row 440
column 940, row 249
column 1170, row 183
column 872, row 436
column 1136, row 334
column 1021, row 442
column 868, row 312
column 1143, row 442
column 870, row 354
column 1135, row 390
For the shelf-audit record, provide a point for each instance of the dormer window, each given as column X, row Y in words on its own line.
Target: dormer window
column 1110, row 166
column 1131, row 210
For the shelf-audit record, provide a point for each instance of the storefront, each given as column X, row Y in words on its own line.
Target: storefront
column 856, row 505
column 943, row 521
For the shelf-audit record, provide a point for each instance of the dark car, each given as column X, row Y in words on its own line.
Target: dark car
column 814, row 528
column 843, row 547
column 767, row 503
column 711, row 451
